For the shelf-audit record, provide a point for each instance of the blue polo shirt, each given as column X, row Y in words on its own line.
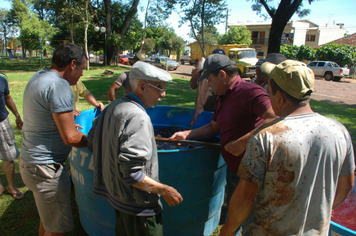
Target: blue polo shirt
column 4, row 91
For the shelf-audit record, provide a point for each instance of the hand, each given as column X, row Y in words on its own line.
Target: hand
column 100, row 106
column 76, row 112
column 78, row 126
column 19, row 122
column 182, row 135
column 236, row 147
column 171, row 196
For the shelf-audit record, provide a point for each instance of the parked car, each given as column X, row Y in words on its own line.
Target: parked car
column 91, row 55
column 165, row 62
column 346, row 71
column 327, row 69
column 186, row 58
column 124, row 59
column 131, row 60
column 101, row 57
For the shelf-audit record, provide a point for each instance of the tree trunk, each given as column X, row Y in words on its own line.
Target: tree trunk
column 86, row 24
column 275, row 35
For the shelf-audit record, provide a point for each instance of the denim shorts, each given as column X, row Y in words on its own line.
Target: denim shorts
column 51, row 186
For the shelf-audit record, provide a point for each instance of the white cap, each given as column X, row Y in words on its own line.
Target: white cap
column 144, row 71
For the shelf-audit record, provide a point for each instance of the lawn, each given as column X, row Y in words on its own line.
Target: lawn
column 21, row 218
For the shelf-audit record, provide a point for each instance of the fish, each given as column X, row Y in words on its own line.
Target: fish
column 202, row 94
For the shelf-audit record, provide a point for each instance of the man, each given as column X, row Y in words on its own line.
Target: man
column 274, row 58
column 299, row 167
column 240, row 108
column 80, row 90
column 8, row 148
column 49, row 132
column 125, row 155
column 123, row 79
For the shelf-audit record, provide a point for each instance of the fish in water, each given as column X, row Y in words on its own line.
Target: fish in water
column 202, row 94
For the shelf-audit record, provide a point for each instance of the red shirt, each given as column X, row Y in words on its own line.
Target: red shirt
column 238, row 112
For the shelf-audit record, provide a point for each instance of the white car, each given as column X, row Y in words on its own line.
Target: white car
column 327, row 69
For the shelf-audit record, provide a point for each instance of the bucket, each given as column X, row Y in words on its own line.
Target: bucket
column 197, row 173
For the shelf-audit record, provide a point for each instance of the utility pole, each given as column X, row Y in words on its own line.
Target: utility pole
column 227, row 19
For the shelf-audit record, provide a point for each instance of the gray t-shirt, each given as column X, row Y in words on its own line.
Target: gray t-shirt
column 45, row 93
column 296, row 162
column 123, row 80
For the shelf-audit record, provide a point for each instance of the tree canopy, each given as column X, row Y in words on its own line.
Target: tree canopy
column 280, row 17
column 236, row 35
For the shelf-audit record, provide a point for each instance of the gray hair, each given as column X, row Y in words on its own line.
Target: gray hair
column 134, row 83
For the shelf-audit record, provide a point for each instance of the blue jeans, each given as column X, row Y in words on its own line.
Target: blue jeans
column 232, row 179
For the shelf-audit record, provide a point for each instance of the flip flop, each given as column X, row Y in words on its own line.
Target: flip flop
column 17, row 196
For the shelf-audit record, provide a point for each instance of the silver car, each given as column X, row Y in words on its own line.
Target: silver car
column 327, row 69
column 165, row 63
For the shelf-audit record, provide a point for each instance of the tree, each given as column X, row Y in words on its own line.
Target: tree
column 211, row 35
column 202, row 13
column 236, row 35
column 341, row 54
column 280, row 18
column 298, row 53
column 7, row 27
column 148, row 45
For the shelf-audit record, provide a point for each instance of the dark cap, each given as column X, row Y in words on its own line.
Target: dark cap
column 140, row 57
column 215, row 62
column 218, row 51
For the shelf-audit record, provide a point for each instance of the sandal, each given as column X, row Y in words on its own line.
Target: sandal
column 17, row 195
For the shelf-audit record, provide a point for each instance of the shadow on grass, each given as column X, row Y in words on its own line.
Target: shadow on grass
column 20, row 217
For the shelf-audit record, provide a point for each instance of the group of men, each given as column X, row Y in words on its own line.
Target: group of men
column 288, row 167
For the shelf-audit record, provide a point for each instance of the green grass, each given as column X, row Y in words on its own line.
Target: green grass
column 21, row 218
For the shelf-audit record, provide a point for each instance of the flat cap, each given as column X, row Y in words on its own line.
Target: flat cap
column 144, row 71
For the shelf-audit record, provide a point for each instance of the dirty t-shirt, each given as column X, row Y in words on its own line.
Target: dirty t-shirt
column 296, row 162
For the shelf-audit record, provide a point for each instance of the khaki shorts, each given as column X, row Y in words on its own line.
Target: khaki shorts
column 8, row 148
column 50, row 184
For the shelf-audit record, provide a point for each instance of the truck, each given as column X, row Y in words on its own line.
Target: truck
column 244, row 56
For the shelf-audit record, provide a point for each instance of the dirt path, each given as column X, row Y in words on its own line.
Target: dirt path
column 343, row 92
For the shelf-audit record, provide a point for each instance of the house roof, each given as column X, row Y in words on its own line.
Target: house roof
column 348, row 40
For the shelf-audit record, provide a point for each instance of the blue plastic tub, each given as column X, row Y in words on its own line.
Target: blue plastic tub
column 197, row 173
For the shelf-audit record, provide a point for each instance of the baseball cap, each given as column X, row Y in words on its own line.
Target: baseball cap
column 139, row 57
column 215, row 62
column 218, row 51
column 294, row 77
column 144, row 71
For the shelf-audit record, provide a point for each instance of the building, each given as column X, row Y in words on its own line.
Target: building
column 296, row 32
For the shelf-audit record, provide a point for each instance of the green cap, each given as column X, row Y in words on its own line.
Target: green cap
column 294, row 77
column 139, row 57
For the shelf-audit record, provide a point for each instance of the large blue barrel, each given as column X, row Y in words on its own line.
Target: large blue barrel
column 197, row 173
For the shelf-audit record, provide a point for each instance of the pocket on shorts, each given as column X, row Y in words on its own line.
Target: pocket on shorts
column 8, row 132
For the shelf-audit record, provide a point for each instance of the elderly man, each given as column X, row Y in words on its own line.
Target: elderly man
column 240, row 108
column 125, row 155
column 299, row 167
column 49, row 132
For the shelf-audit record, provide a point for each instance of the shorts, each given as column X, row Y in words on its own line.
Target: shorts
column 131, row 225
column 51, row 186
column 8, row 148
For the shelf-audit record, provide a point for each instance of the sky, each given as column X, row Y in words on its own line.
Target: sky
column 322, row 12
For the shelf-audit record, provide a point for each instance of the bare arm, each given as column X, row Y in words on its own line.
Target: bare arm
column 169, row 194
column 91, row 99
column 68, row 131
column 112, row 90
column 205, row 132
column 11, row 105
column 240, row 206
column 344, row 186
column 237, row 147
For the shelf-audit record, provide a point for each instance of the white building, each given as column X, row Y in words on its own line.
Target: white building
column 296, row 32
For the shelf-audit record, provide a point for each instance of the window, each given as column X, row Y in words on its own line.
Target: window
column 310, row 38
column 321, row 64
column 260, row 54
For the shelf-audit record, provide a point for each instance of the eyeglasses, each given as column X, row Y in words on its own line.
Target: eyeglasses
column 161, row 90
